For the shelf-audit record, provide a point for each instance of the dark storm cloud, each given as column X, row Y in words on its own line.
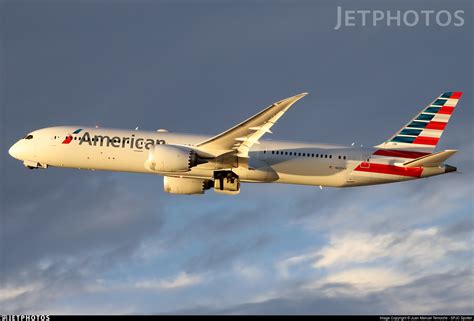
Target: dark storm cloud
column 302, row 306
column 459, row 228
column 226, row 220
column 81, row 215
column 61, row 235
column 61, row 279
column 219, row 255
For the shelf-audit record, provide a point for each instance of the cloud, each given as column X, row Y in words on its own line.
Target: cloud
column 413, row 250
column 219, row 255
column 248, row 272
column 366, row 279
column 387, row 208
column 182, row 280
column 422, row 246
column 65, row 238
column 8, row 293
column 86, row 215
column 376, row 266
column 38, row 286
column 355, row 248
column 452, row 294
column 284, row 266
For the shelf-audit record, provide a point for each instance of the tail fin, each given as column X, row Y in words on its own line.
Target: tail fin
column 423, row 132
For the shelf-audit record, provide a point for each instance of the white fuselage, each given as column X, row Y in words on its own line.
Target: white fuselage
column 270, row 161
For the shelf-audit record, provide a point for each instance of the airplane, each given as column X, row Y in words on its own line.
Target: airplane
column 192, row 164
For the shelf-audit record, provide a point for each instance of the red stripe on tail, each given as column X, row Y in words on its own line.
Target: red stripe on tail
column 456, row 95
column 423, row 140
column 447, row 110
column 436, row 125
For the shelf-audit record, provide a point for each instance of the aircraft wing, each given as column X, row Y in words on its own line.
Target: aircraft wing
column 240, row 138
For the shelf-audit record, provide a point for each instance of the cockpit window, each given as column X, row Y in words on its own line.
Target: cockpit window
column 28, row 136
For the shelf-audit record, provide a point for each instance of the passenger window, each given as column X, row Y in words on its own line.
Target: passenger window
column 273, row 152
column 326, row 156
column 286, row 153
column 312, row 155
column 304, row 154
column 330, row 156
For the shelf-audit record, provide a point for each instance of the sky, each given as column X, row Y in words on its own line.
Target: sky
column 83, row 242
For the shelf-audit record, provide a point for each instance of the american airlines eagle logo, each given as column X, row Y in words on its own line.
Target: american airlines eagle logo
column 69, row 137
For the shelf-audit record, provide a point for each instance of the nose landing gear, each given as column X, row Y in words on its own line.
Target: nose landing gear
column 34, row 165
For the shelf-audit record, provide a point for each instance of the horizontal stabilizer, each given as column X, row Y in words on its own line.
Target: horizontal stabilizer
column 431, row 160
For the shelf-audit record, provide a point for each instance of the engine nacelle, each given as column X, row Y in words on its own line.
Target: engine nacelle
column 169, row 158
column 185, row 186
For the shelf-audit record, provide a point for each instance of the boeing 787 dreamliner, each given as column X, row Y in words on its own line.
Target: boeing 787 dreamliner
column 192, row 164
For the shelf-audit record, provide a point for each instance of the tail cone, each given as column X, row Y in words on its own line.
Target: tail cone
column 449, row 169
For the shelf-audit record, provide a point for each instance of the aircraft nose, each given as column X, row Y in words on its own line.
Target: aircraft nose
column 14, row 151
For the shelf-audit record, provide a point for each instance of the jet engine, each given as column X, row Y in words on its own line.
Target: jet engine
column 186, row 186
column 169, row 158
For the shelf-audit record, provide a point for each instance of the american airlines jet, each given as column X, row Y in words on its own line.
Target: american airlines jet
column 192, row 164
